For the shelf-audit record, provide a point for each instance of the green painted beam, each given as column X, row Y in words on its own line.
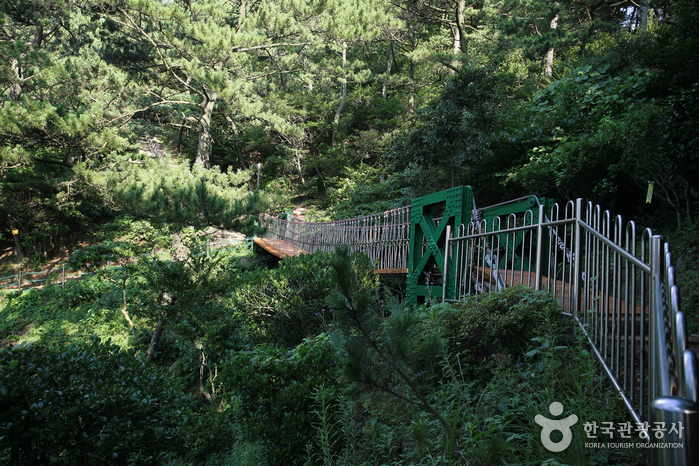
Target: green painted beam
column 429, row 217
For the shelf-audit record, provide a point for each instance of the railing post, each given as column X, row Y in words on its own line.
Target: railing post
column 577, row 251
column 682, row 415
column 660, row 379
column 539, row 247
column 445, row 272
column 691, row 381
column 19, row 281
column 679, row 413
column 207, row 243
column 63, row 274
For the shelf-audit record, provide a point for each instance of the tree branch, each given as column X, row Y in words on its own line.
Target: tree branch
column 269, row 46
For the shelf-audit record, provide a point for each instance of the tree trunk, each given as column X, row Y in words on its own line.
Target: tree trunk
column 123, row 309
column 343, row 94
column 155, row 339
column 310, row 78
column 549, row 55
column 411, row 92
column 16, row 87
column 384, row 90
column 298, row 157
column 204, row 148
column 19, row 247
column 242, row 11
column 460, row 27
column 644, row 15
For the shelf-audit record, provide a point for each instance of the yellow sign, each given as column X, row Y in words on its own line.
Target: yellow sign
column 649, row 195
column 15, row 232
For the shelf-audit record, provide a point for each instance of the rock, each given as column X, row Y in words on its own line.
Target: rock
column 218, row 233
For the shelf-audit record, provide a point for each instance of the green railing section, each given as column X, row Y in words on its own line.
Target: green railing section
column 431, row 218
column 508, row 215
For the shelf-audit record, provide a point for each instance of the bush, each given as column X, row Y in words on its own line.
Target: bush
column 501, row 323
column 86, row 403
column 275, row 389
column 287, row 304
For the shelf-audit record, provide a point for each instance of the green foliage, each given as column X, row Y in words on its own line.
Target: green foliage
column 495, row 323
column 458, row 137
column 397, row 356
column 87, row 403
column 567, row 129
column 96, row 256
column 497, row 399
column 603, row 136
column 79, row 310
column 184, row 297
column 499, row 426
column 685, row 253
column 171, row 192
column 456, row 127
column 287, row 304
column 275, row 387
column 55, row 116
column 368, row 190
column 143, row 231
column 323, row 400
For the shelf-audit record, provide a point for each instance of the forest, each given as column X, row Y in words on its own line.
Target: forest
column 130, row 125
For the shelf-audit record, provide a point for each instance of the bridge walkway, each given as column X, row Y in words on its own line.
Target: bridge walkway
column 279, row 248
column 283, row 249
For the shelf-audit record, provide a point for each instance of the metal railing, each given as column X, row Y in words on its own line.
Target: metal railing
column 616, row 281
column 383, row 237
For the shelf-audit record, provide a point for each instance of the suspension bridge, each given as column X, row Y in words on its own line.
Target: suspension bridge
column 614, row 279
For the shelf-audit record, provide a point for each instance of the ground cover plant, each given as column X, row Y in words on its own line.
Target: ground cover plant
column 378, row 383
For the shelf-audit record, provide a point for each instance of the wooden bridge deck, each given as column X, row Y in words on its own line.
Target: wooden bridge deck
column 278, row 247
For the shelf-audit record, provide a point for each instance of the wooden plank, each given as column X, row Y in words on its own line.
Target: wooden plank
column 279, row 248
column 562, row 289
column 391, row 271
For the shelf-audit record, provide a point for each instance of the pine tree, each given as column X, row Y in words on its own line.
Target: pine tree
column 56, row 119
column 169, row 191
column 393, row 355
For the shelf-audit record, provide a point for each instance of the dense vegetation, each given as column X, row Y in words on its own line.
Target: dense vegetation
column 130, row 122
column 165, row 109
column 367, row 381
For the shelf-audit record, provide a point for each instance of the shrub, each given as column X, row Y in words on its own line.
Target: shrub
column 275, row 389
column 86, row 403
column 501, row 323
column 287, row 304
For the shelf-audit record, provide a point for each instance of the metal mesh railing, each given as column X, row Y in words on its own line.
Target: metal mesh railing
column 383, row 237
column 615, row 280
